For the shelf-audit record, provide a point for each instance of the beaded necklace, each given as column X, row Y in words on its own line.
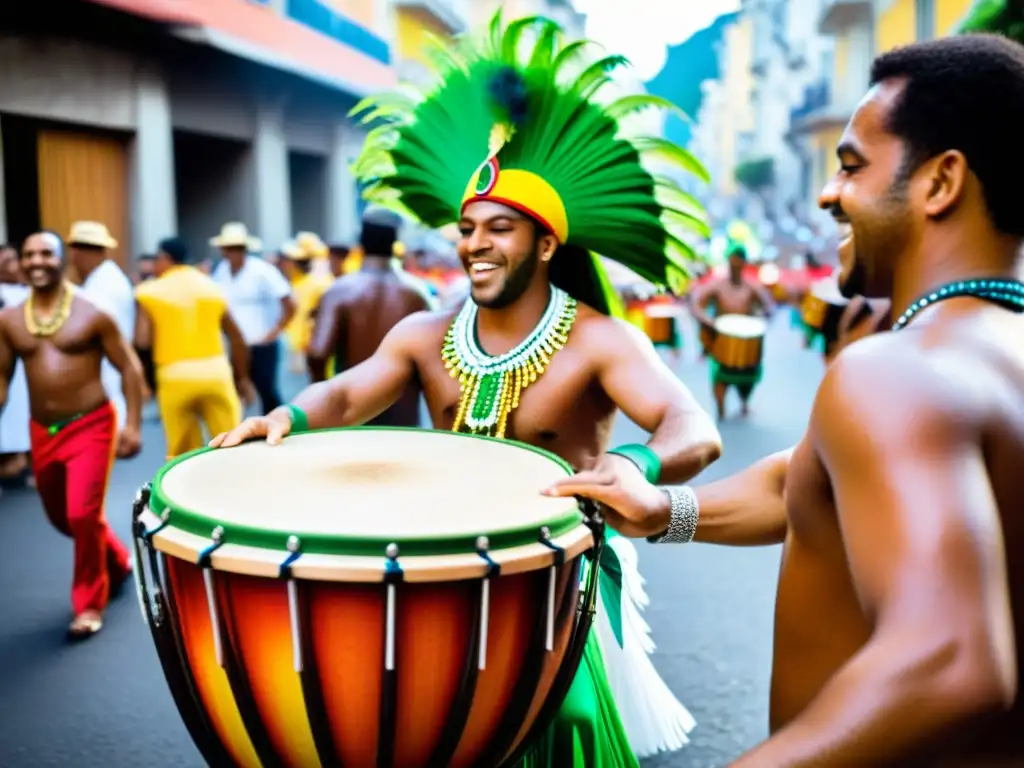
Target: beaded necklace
column 1008, row 293
column 491, row 385
column 36, row 325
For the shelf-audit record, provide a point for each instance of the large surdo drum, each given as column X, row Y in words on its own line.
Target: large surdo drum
column 738, row 341
column 366, row 597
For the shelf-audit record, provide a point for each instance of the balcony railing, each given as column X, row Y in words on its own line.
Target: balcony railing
column 837, row 14
column 816, row 98
column 325, row 20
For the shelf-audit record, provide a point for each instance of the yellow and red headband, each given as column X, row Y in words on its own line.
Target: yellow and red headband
column 521, row 190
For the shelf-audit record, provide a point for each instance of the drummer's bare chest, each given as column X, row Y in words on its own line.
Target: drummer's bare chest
column 735, row 299
column 565, row 411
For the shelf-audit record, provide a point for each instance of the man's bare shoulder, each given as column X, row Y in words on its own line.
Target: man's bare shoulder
column 897, row 381
column 604, row 332
column 11, row 317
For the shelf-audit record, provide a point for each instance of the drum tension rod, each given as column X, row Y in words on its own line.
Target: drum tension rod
column 204, row 562
column 493, row 572
column 294, row 546
column 556, row 563
column 393, row 576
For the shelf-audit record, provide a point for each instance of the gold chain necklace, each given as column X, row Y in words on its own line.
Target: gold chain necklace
column 38, row 326
column 491, row 385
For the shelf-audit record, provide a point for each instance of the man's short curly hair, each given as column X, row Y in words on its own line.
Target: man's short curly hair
column 964, row 93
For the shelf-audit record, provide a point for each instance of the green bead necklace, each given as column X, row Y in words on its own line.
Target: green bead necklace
column 491, row 385
column 1008, row 293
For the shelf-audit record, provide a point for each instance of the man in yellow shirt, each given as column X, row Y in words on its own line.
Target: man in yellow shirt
column 299, row 262
column 181, row 316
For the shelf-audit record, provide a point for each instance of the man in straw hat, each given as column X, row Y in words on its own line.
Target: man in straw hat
column 62, row 338
column 106, row 286
column 536, row 353
column 182, row 315
column 360, row 309
column 299, row 261
column 261, row 302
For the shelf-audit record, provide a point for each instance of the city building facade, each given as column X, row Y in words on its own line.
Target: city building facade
column 158, row 118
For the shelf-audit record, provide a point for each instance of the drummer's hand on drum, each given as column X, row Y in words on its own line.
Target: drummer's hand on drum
column 275, row 426
column 630, row 504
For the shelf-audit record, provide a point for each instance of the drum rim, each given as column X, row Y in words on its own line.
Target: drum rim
column 197, row 523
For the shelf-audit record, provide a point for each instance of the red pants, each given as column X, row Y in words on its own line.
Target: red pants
column 72, row 467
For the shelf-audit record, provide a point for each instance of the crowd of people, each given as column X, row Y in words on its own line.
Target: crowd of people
column 899, row 604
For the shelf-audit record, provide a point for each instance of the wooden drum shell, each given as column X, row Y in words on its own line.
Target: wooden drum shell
column 436, row 628
column 302, row 658
column 735, row 352
column 739, row 341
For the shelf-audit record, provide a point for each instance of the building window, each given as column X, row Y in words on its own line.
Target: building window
column 924, row 19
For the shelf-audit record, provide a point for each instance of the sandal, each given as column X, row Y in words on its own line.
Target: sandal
column 85, row 625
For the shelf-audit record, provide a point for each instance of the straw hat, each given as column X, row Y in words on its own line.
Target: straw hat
column 311, row 245
column 235, row 234
column 292, row 251
column 90, row 233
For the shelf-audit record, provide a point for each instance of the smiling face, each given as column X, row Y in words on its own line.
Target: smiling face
column 503, row 253
column 869, row 197
column 42, row 261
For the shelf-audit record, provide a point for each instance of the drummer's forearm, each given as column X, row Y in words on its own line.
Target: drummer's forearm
column 747, row 509
column 324, row 404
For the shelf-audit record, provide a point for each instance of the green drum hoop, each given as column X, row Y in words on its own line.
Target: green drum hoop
column 269, row 518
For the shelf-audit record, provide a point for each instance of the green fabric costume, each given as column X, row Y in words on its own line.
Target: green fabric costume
column 512, row 118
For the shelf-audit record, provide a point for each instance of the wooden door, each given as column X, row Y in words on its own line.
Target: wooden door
column 84, row 176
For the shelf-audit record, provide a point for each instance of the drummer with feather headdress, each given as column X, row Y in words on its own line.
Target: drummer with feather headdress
column 542, row 182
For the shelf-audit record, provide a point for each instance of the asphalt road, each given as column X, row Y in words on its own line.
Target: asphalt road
column 104, row 703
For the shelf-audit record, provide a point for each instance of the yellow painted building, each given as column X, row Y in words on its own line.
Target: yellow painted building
column 862, row 29
column 414, row 22
column 726, row 114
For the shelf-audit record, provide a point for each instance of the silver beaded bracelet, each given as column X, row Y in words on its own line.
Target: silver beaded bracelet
column 682, row 526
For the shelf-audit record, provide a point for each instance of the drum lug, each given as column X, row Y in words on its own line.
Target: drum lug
column 141, row 500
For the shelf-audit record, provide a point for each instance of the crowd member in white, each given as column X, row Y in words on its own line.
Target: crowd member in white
column 14, row 418
column 106, row 285
column 261, row 302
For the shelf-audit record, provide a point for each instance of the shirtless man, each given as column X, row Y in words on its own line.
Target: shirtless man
column 359, row 310
column 62, row 339
column 605, row 366
column 900, row 605
column 732, row 295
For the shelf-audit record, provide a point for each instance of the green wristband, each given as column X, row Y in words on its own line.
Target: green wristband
column 300, row 421
column 646, row 460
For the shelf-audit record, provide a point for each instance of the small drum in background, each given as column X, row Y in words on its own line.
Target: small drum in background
column 822, row 308
column 661, row 323
column 366, row 597
column 739, row 341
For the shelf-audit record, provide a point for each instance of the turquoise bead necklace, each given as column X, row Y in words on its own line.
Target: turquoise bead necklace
column 1008, row 293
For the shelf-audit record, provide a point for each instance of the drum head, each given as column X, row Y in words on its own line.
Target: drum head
column 353, row 491
column 741, row 326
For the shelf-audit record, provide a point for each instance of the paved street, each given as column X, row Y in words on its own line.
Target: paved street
column 104, row 703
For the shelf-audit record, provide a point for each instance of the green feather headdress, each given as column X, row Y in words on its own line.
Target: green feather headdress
column 507, row 121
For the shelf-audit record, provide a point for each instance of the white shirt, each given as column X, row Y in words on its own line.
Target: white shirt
column 109, row 288
column 254, row 296
column 14, row 435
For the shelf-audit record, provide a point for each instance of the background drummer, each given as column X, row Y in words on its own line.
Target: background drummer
column 733, row 294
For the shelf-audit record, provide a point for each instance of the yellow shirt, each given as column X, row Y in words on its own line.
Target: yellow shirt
column 186, row 308
column 308, row 290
